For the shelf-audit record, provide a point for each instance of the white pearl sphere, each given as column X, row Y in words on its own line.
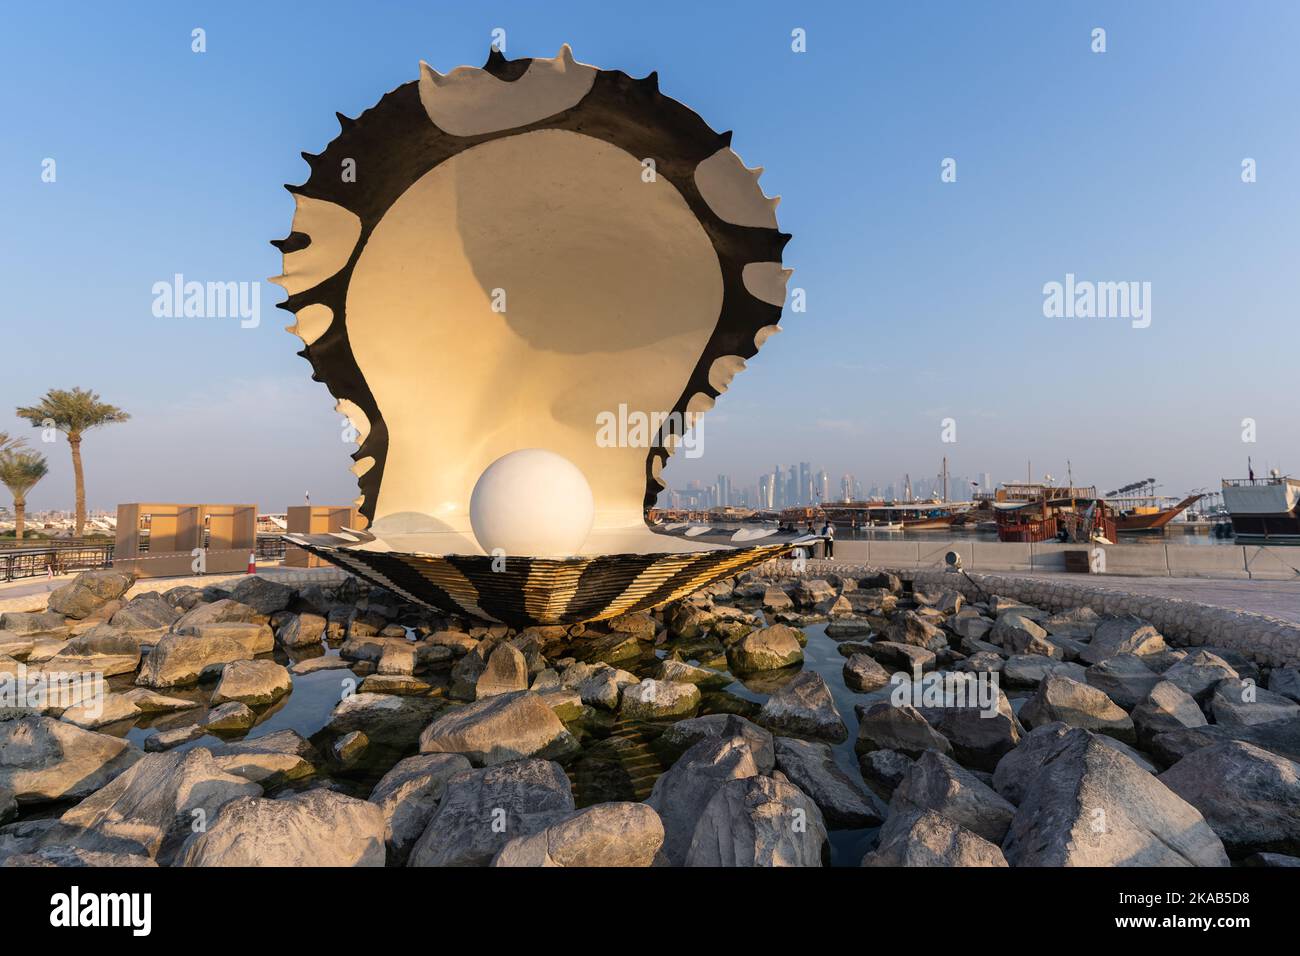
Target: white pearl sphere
column 532, row 502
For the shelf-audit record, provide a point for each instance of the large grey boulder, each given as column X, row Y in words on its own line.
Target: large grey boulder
column 884, row 770
column 1166, row 708
column 770, row 648
column 759, row 821
column 607, row 834
column 863, row 674
column 1079, row 705
column 263, row 595
column 659, row 700
column 302, row 630
column 804, row 708
column 483, row 810
column 680, row 795
column 272, row 760
column 684, row 734
column 89, row 591
column 924, row 838
column 937, row 782
column 182, row 659
column 683, row 672
column 912, row 629
column 105, row 649
column 153, row 806
column 1029, row 670
column 978, row 733
column 146, row 617
column 1079, row 623
column 314, row 828
column 42, row 759
column 597, row 684
column 1090, row 805
column 223, row 611
column 1286, row 682
column 882, row 726
column 1122, row 635
column 255, row 683
column 1281, row 737
column 1199, row 673
column 408, row 795
column 499, row 729
column 505, row 673
column 34, row 624
column 1018, row 768
column 811, row 767
column 1250, row 797
column 1124, row 678
column 1238, row 703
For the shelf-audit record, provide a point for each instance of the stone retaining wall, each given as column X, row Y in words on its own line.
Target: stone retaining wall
column 1266, row 640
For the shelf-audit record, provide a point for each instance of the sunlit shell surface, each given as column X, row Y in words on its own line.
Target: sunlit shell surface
column 500, row 259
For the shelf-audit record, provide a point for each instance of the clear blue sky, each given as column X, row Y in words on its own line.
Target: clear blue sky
column 924, row 298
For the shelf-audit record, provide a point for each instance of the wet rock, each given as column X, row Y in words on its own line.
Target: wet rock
column 849, row 628
column 162, row 740
column 1237, row 703
column 224, row 611
column 231, row 717
column 1089, row 805
column 302, row 630
column 408, row 796
column 89, row 591
column 499, row 729
column 681, row 795
column 395, row 684
column 350, row 748
column 704, row 677
column 911, row 629
column 182, row 659
column 863, row 674
column 686, row 621
column 1124, row 678
column 597, row 684
column 526, row 796
column 804, row 708
column 1248, row 796
column 315, row 828
column 1166, row 708
column 759, row 821
column 272, row 761
column 100, row 711
column 262, row 595
column 607, row 834
column 924, row 838
column 903, row 656
column 152, row 807
column 811, row 767
column 313, row 664
column 883, row 770
column 684, row 734
column 659, row 700
column 391, row 721
column 42, row 759
column 768, row 649
column 883, row 726
column 775, row 599
column 1122, row 635
column 937, row 782
column 1078, row 705
column 256, row 683
column 506, row 672
column 808, row 593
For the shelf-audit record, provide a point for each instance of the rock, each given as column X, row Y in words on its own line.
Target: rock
column 181, row 659
column 924, row 838
column 1281, row 737
column 1238, row 703
column 152, row 807
column 313, row 664
column 597, row 684
column 775, row 599
column 34, row 624
column 770, row 648
column 161, row 740
column 686, row 621
column 883, row 726
column 1079, row 623
column 804, row 708
column 256, row 683
column 883, row 770
column 151, row 702
column 1199, row 673
column 224, row 611
column 640, row 623
column 231, row 717
column 408, row 795
column 565, row 704
column 499, row 729
column 506, row 672
column 1028, row 670
column 808, row 593
column 262, row 595
column 272, row 760
column 314, row 828
column 1270, row 860
column 811, row 767
column 1001, row 606
column 911, row 629
column 978, row 734
column 100, row 710
column 145, row 617
column 391, row 721
column 983, row 662
column 659, row 700
column 1089, row 805
column 682, row 672
column 1078, row 705
column 89, row 591
column 759, row 821
column 72, row 856
column 616, row 648
column 1020, row 766
column 1286, row 682
column 684, row 734
column 904, row 656
column 1018, row 634
column 184, row 597
column 350, row 748
column 103, row 649
column 1248, row 796
column 42, row 759
column 1122, row 635
column 937, row 782
column 1166, row 708
column 681, row 795
column 483, row 810
column 607, row 834
column 302, row 630
column 863, row 674
column 395, row 684
column 1124, row 678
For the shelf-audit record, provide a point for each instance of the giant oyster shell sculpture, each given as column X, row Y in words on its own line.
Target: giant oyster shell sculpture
column 490, row 261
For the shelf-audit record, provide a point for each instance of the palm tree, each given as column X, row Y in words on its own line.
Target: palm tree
column 19, row 472
column 6, row 442
column 74, row 413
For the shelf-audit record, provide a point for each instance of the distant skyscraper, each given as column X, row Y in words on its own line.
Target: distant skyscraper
column 804, row 493
column 724, row 491
column 822, row 487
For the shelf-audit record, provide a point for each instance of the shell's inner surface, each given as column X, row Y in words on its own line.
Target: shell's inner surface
column 513, row 295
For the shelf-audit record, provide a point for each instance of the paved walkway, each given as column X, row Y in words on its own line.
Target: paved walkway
column 1275, row 598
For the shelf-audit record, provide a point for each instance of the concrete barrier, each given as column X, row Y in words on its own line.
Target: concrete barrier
column 1001, row 555
column 1195, row 561
column 895, row 554
column 1269, row 562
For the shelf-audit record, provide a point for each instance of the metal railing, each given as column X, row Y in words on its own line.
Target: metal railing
column 38, row 562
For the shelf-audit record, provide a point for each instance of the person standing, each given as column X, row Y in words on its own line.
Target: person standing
column 828, row 532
